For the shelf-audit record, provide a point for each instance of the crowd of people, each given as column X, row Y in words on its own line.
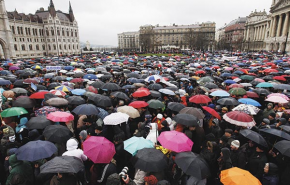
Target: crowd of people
column 179, row 120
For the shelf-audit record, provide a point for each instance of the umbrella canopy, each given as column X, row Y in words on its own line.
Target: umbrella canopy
column 86, row 109
column 220, row 93
column 239, row 118
column 132, row 112
column 138, row 104
column 264, row 85
column 249, row 101
column 39, row 122
column 155, row 94
column 19, row 90
column 116, row 118
column 228, row 101
column 200, row 99
column 110, row 87
column 155, row 87
column 35, row 150
column 155, row 104
column 99, row 149
column 283, row 147
column 150, row 160
column 275, row 132
column 63, row 88
column 174, row 106
column 175, row 141
column 58, row 93
column 120, row 95
column 186, row 119
column 192, row 111
column 212, row 112
column 254, row 136
column 134, row 144
column 57, row 102
column 23, row 101
column 142, row 92
column 252, row 94
column 62, row 164
column 167, row 91
column 276, row 99
column 57, row 133
column 192, row 164
column 211, row 85
column 237, row 91
column 60, row 116
column 261, row 91
column 14, row 111
column 279, row 95
column 97, row 84
column 44, row 111
column 249, row 109
column 38, row 95
column 78, row 92
column 237, row 176
column 76, row 100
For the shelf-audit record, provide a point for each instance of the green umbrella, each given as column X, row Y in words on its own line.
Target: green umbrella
column 205, row 80
column 247, row 77
column 237, row 91
column 156, row 104
column 14, row 111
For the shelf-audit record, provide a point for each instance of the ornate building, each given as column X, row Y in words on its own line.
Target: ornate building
column 45, row 33
column 128, row 41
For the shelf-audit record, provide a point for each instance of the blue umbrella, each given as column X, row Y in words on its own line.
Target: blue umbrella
column 128, row 87
column 78, row 92
column 239, row 72
column 68, row 68
column 86, row 109
column 103, row 113
column 226, row 75
column 249, row 101
column 220, row 93
column 4, row 82
column 35, row 150
column 90, row 77
column 230, row 82
column 134, row 144
column 133, row 80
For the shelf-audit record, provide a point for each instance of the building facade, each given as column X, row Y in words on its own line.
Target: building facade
column 45, row 33
column 128, row 41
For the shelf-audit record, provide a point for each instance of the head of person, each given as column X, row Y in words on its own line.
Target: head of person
column 83, row 135
column 235, row 145
column 259, row 149
column 72, row 144
column 150, row 180
column 269, row 106
column 265, row 122
column 272, row 116
column 228, row 132
column 224, row 110
column 98, row 129
column 159, row 116
column 271, row 169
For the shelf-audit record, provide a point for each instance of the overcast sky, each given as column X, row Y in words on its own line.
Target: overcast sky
column 101, row 20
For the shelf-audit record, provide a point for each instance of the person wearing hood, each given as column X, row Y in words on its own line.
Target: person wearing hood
column 282, row 121
column 153, row 133
column 270, row 176
column 264, row 124
column 83, row 135
column 72, row 150
column 267, row 111
column 164, row 127
column 141, row 131
column 158, row 119
column 224, row 160
column 216, row 129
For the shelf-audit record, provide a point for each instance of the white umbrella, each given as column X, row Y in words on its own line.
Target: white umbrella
column 247, row 108
column 276, row 99
column 167, row 91
column 131, row 111
column 116, row 118
column 246, row 84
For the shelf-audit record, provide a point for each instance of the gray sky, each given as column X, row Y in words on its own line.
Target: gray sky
column 101, row 20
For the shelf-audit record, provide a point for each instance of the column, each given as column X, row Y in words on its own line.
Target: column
column 274, row 27
column 260, row 30
column 271, row 26
column 279, row 26
column 254, row 33
column 248, row 32
column 286, row 25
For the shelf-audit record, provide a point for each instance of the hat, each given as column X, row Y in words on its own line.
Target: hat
column 113, row 179
column 224, row 139
column 164, row 123
column 272, row 114
column 283, row 121
column 84, row 134
column 267, row 121
column 148, row 116
column 235, row 143
column 159, row 116
column 151, row 180
column 229, row 131
column 225, row 109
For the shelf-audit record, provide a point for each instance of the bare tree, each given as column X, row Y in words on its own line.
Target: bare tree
column 189, row 38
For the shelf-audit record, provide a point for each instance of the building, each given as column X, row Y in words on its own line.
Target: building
column 220, row 38
column 183, row 37
column 128, row 41
column 45, row 33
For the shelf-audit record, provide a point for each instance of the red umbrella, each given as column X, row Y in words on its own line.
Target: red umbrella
column 244, row 71
column 38, row 95
column 236, row 86
column 252, row 94
column 200, row 72
column 198, row 99
column 252, row 74
column 141, row 92
column 138, row 104
column 92, row 89
column 239, row 118
column 281, row 78
column 77, row 80
column 60, row 116
column 212, row 112
column 30, row 80
column 271, row 71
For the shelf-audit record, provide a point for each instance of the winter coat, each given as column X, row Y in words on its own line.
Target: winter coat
column 267, row 111
column 256, row 164
column 100, row 173
column 271, row 178
column 153, row 133
column 65, row 180
column 139, row 177
column 72, row 150
column 225, row 160
column 239, row 158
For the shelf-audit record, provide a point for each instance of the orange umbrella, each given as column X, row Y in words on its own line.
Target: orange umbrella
column 237, row 176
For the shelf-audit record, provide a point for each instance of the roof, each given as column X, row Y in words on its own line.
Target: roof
column 177, row 27
column 237, row 21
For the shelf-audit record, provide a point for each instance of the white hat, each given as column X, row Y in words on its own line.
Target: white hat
column 235, row 143
column 159, row 116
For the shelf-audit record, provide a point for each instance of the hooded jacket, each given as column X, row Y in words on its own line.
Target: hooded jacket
column 271, row 178
column 72, row 150
column 153, row 134
column 225, row 161
column 267, row 111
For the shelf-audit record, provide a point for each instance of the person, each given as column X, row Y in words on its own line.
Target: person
column 150, row 180
column 271, row 176
column 164, row 127
column 228, row 134
column 83, row 135
column 72, row 150
column 158, row 119
column 115, row 179
column 224, row 161
column 267, row 111
column 238, row 155
column 153, row 133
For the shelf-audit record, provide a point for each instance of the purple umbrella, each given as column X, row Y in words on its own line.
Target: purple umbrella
column 13, row 68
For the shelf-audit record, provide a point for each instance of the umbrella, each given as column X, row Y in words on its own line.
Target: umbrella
column 138, row 104
column 134, row 144
column 86, row 109
column 53, row 85
column 57, row 133
column 186, row 119
column 101, row 100
column 200, row 99
column 261, row 91
column 247, row 108
column 38, row 95
column 142, row 92
column 155, row 86
column 23, row 101
column 39, row 122
column 212, row 112
column 58, row 93
column 92, row 89
column 277, row 99
column 247, row 77
column 167, row 91
column 155, row 104
column 35, row 150
column 192, row 164
column 283, row 147
column 175, row 141
column 120, row 95
column 155, row 94
column 236, row 86
column 19, row 90
column 237, row 176
column 110, row 87
column 4, row 82
column 279, row 95
column 252, row 94
column 99, row 149
column 103, row 113
column 276, row 132
column 57, row 102
column 128, row 87
column 60, row 116
column 219, row 93
column 192, row 111
column 239, row 118
column 264, row 85
column 8, row 94
column 174, row 106
column 249, row 101
column 285, row 128
column 150, row 160
column 211, row 85
column 116, row 118
column 97, row 84
column 63, row 88
column 254, row 136
column 228, row 101
column 132, row 112
column 78, row 92
column 62, row 164
column 237, row 91
column 75, row 100
column 14, row 111
column 44, row 111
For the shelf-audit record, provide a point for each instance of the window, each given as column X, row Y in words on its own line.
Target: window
column 62, row 32
column 52, row 32
column 26, row 31
column 13, row 30
column 60, row 47
column 23, row 47
column 58, row 32
column 43, row 47
column 37, row 47
column 18, row 30
column 76, row 34
column 15, row 47
column 21, row 30
column 65, row 47
column 47, row 33
column 49, row 47
column 69, row 47
column 30, row 47
column 67, row 33
column 39, row 32
column 54, row 47
column 29, row 31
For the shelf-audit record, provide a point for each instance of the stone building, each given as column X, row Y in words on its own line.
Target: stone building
column 128, row 41
column 45, row 33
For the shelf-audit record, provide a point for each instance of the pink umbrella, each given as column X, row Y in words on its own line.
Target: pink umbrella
column 259, row 80
column 276, row 99
column 239, row 118
column 60, row 116
column 99, row 149
column 278, row 94
column 175, row 141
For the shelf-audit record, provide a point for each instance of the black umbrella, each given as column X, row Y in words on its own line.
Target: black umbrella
column 56, row 102
column 155, row 87
column 18, row 83
column 76, row 100
column 283, row 147
column 211, row 85
column 97, row 84
column 172, row 88
column 261, row 91
column 228, row 101
column 174, row 106
column 285, row 127
column 105, row 77
column 155, row 94
column 40, row 87
column 192, row 164
column 53, row 85
column 129, row 87
column 133, row 75
column 24, row 101
column 275, row 132
column 193, row 111
column 186, row 119
column 86, row 109
column 120, row 95
column 39, row 122
column 254, row 136
column 49, row 96
column 63, row 164
column 59, row 78
column 101, row 100
column 110, row 87
column 57, row 133
column 150, row 160
column 78, row 75
column 19, row 90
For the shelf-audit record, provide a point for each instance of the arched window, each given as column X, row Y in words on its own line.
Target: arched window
column 30, row 47
column 13, row 29
column 63, row 34
column 23, row 47
column 37, row 47
column 77, row 46
column 60, row 47
column 49, row 47
column 76, row 34
column 18, row 30
column 54, row 47
column 29, row 31
column 69, row 46
column 15, row 47
column 52, row 32
column 73, row 46
column 43, row 47
column 39, row 32
column 72, row 33
column 36, row 32
column 26, row 31
column 58, row 32
column 21, row 30
column 67, row 33
column 47, row 33
column 65, row 47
